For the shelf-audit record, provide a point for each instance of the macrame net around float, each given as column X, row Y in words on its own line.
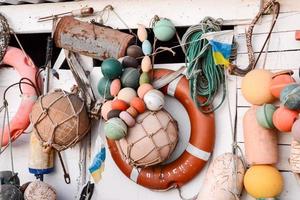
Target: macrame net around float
column 60, row 119
column 151, row 140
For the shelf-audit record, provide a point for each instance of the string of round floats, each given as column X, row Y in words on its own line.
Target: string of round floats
column 205, row 77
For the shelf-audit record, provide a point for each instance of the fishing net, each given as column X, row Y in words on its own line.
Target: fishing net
column 151, row 140
column 60, row 119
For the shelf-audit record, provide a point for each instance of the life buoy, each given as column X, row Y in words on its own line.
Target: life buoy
column 190, row 163
column 15, row 57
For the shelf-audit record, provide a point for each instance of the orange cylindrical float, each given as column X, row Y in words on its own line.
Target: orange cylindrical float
column 260, row 143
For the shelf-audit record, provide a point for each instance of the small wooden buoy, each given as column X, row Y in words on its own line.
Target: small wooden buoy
column 164, row 30
column 290, row 96
column 127, row 94
column 144, row 78
column 111, row 68
column 106, row 107
column 143, row 89
column 115, row 87
column 264, row 115
column 138, row 104
column 142, row 32
column 130, row 78
column 135, row 51
column 119, row 104
column 104, row 88
column 154, row 100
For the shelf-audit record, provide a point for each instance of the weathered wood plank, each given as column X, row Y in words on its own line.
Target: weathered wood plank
column 23, row 18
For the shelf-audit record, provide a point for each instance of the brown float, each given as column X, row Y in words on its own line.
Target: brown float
column 190, row 163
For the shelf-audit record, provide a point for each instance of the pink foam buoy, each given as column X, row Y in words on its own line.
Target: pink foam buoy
column 115, row 87
column 106, row 107
column 127, row 118
column 284, row 118
column 143, row 89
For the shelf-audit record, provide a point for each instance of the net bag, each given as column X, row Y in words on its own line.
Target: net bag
column 151, row 141
column 60, row 119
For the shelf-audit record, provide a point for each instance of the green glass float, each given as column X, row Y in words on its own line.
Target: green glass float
column 111, row 68
column 104, row 88
column 290, row 96
column 130, row 78
column 164, row 30
column 264, row 116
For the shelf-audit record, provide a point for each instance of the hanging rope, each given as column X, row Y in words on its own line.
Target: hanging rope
column 272, row 4
column 205, row 77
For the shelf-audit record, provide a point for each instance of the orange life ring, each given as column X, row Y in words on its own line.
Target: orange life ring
column 190, row 163
column 15, row 57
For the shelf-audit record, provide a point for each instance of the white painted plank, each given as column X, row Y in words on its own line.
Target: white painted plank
column 23, row 18
column 289, row 5
column 280, row 41
column 285, row 22
column 274, row 61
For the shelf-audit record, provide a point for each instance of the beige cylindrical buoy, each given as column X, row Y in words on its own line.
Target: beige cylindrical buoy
column 40, row 161
column 260, row 143
column 294, row 157
column 224, row 179
column 91, row 40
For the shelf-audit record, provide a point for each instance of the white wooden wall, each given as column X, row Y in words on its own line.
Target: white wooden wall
column 284, row 54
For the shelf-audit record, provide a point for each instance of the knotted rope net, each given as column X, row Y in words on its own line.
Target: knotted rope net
column 151, row 141
column 60, row 119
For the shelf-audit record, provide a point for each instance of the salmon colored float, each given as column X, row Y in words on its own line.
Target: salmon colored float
column 191, row 162
column 15, row 58
column 260, row 143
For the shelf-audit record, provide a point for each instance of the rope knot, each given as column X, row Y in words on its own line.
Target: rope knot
column 235, row 145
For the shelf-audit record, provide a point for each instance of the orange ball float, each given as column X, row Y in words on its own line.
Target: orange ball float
column 283, row 119
column 279, row 81
column 138, row 104
column 119, row 105
column 256, row 87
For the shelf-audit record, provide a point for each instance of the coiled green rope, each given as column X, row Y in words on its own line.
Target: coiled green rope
column 205, row 77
